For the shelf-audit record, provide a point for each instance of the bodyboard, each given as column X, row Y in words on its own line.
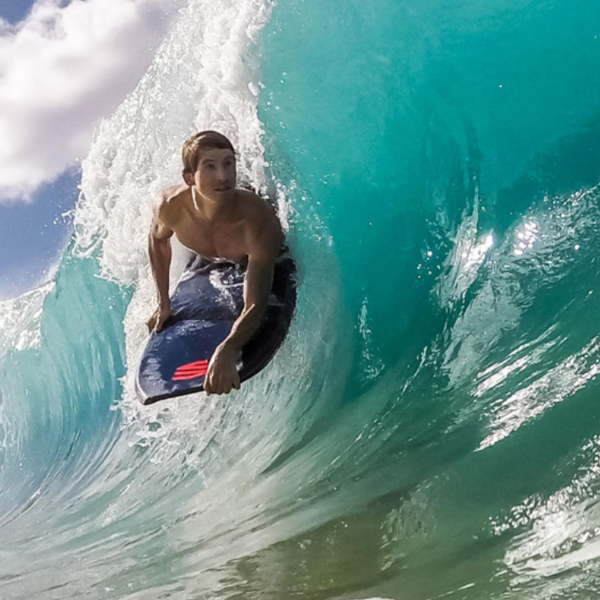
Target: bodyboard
column 205, row 304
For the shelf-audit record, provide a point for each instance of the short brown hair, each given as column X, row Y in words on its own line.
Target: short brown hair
column 205, row 140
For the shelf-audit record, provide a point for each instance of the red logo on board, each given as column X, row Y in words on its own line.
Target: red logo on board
column 191, row 370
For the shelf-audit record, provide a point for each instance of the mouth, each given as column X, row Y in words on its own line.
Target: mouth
column 223, row 189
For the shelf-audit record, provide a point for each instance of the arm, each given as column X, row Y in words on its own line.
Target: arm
column 159, row 250
column 257, row 288
column 222, row 374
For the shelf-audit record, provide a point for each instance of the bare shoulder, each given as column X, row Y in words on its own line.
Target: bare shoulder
column 263, row 226
column 167, row 205
column 256, row 209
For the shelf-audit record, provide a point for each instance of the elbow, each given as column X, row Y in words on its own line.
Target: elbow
column 157, row 246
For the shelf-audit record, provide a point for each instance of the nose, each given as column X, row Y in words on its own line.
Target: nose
column 222, row 173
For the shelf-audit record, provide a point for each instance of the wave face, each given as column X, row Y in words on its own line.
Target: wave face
column 430, row 427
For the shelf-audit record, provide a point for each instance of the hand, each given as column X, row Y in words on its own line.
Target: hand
column 222, row 375
column 157, row 320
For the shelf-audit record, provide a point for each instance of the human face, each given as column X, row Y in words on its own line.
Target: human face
column 215, row 177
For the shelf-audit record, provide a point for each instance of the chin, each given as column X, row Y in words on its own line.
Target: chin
column 223, row 193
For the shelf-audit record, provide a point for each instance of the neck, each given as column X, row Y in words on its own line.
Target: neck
column 210, row 209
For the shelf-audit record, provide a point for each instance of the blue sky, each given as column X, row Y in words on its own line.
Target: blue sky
column 32, row 234
column 65, row 64
column 14, row 10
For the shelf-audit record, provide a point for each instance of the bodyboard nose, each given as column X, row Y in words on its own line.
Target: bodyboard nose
column 175, row 360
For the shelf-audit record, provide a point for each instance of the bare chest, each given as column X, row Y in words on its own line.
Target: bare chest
column 224, row 240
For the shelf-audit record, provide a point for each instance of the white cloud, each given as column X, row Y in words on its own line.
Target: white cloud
column 63, row 68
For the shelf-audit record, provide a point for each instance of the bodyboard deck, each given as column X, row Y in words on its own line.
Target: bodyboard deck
column 205, row 304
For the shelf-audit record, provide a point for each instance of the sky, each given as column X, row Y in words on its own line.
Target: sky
column 64, row 65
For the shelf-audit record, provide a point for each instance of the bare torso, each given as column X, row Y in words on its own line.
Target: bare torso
column 227, row 235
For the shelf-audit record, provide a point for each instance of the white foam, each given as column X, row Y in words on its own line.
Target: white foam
column 20, row 319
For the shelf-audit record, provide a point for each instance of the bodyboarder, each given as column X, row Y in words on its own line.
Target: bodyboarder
column 215, row 219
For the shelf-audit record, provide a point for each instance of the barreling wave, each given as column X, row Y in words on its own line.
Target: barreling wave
column 430, row 426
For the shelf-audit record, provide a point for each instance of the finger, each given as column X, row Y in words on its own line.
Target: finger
column 212, row 379
column 218, row 382
column 227, row 385
column 235, row 378
column 160, row 324
column 232, row 381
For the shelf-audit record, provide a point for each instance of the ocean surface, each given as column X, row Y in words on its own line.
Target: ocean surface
column 431, row 426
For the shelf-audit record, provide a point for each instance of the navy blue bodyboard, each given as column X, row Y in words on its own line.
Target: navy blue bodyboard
column 205, row 304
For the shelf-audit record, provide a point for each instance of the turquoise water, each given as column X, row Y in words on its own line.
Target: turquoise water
column 430, row 427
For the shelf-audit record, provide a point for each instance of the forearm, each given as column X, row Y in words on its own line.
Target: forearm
column 160, row 262
column 257, row 288
column 245, row 327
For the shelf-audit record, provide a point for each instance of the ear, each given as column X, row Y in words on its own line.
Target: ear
column 188, row 177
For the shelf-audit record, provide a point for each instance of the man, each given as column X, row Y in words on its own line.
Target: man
column 210, row 216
